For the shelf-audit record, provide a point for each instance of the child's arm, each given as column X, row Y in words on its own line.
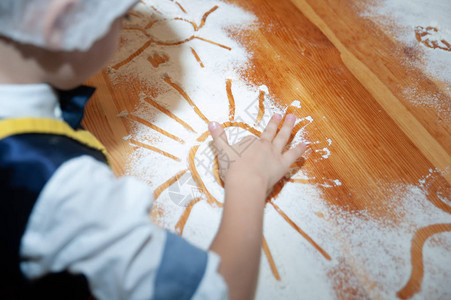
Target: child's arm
column 87, row 222
column 248, row 178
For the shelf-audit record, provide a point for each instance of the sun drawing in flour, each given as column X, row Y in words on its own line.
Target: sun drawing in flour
column 161, row 32
column 197, row 161
column 201, row 166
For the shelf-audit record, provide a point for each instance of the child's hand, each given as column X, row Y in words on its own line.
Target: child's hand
column 250, row 169
column 261, row 159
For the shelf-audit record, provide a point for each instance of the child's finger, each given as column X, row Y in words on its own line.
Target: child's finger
column 284, row 134
column 271, row 129
column 293, row 154
column 219, row 136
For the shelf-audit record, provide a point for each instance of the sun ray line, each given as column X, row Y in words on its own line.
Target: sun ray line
column 271, row 262
column 154, row 149
column 200, row 184
column 155, row 127
column 133, row 55
column 216, row 172
column 160, row 189
column 180, row 6
column 169, row 114
column 197, row 57
column 155, row 9
column 150, row 24
column 261, row 106
column 300, row 231
column 137, row 29
column 180, row 226
column 298, row 180
column 169, row 81
column 231, row 100
column 214, row 43
column 205, row 16
column 413, row 285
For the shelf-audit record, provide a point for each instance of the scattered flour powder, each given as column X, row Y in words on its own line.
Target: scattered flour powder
column 429, row 21
column 406, row 15
column 360, row 246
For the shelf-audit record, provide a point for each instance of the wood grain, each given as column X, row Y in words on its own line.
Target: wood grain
column 343, row 69
column 432, row 147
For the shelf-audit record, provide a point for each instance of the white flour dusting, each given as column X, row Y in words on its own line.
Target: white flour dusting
column 361, row 246
column 381, row 248
column 296, row 103
column 430, row 22
column 171, row 31
column 406, row 15
column 358, row 243
column 264, row 89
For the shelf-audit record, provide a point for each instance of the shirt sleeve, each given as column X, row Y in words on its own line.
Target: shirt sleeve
column 212, row 285
column 87, row 221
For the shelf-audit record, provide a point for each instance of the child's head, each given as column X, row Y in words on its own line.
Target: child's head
column 68, row 40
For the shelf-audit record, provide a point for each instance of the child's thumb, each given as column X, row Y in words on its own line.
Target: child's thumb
column 219, row 135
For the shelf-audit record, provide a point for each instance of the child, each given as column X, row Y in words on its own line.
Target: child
column 69, row 228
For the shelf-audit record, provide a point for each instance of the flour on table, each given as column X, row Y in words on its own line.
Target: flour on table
column 406, row 15
column 264, row 89
column 380, row 249
column 296, row 103
column 189, row 67
column 424, row 25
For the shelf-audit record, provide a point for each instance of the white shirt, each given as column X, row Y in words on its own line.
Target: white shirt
column 87, row 221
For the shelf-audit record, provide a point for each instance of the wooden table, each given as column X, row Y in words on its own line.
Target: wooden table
column 344, row 70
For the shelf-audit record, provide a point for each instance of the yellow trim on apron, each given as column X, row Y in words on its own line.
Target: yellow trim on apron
column 10, row 127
